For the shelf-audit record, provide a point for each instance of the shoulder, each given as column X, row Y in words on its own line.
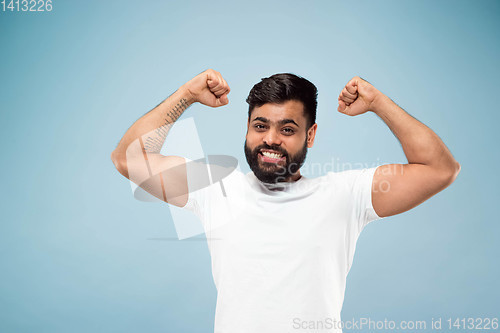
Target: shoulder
column 353, row 177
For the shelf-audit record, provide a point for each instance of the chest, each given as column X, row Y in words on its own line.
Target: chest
column 261, row 227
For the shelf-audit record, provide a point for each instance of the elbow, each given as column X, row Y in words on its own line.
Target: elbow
column 452, row 173
column 456, row 171
column 120, row 163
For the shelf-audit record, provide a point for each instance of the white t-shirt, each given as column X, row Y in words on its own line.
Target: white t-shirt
column 280, row 256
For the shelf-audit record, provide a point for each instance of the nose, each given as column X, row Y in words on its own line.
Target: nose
column 272, row 138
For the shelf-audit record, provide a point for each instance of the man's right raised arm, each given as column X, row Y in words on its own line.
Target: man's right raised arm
column 137, row 156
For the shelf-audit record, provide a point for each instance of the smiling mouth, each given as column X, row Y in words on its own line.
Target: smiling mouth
column 270, row 156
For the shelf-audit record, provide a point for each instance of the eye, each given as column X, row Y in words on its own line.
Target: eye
column 259, row 127
column 288, row 131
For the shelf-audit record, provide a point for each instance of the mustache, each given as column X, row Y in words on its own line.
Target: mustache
column 273, row 147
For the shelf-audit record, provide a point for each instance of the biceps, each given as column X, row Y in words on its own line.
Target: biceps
column 400, row 187
column 162, row 176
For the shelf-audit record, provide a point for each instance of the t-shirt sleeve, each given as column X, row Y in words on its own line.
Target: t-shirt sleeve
column 210, row 188
column 195, row 203
column 199, row 187
column 359, row 185
column 362, row 191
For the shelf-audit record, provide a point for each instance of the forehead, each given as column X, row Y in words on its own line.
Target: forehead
column 275, row 112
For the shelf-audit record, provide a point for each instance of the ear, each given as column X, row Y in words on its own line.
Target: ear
column 311, row 134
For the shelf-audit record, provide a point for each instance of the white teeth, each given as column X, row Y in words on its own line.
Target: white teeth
column 272, row 155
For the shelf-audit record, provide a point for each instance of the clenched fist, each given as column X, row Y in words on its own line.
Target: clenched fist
column 357, row 97
column 208, row 88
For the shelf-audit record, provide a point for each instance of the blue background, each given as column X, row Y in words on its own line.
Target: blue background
column 79, row 254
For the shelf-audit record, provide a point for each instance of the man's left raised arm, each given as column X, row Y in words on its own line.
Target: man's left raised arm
column 431, row 167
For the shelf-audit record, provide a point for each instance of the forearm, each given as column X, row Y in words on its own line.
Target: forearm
column 420, row 144
column 152, row 128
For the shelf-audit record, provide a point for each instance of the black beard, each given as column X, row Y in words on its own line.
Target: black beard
column 272, row 173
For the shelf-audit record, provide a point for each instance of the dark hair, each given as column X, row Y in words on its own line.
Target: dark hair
column 283, row 87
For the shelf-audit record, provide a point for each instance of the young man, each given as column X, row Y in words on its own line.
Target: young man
column 282, row 244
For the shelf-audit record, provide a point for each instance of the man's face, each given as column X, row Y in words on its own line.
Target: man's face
column 277, row 140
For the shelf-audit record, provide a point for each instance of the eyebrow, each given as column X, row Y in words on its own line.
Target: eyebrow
column 281, row 122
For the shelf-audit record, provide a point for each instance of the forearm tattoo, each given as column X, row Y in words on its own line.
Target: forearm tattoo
column 154, row 140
